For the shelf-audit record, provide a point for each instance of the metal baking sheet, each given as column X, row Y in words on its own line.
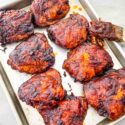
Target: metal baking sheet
column 13, row 79
column 8, row 3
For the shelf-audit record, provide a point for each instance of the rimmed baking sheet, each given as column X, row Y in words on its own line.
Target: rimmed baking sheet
column 16, row 78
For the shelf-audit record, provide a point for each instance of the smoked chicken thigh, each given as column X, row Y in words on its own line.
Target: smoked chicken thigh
column 105, row 30
column 34, row 55
column 107, row 94
column 87, row 61
column 71, row 111
column 48, row 12
column 15, row 25
column 70, row 32
column 42, row 91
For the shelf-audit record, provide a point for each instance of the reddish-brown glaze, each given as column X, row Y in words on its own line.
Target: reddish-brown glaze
column 96, row 40
column 87, row 61
column 70, row 32
column 43, row 90
column 103, row 30
column 32, row 56
column 48, row 12
column 15, row 25
column 107, row 94
column 71, row 111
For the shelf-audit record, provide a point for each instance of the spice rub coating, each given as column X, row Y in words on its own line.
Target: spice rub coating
column 87, row 61
column 106, row 30
column 15, row 25
column 48, row 12
column 70, row 32
column 71, row 111
column 34, row 55
column 42, row 91
column 107, row 94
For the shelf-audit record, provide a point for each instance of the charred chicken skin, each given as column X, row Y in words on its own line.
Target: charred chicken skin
column 95, row 40
column 32, row 56
column 86, row 61
column 103, row 30
column 70, row 32
column 48, row 12
column 42, row 91
column 15, row 25
column 107, row 94
column 71, row 111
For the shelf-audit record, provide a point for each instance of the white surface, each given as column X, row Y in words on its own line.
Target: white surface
column 6, row 114
column 105, row 9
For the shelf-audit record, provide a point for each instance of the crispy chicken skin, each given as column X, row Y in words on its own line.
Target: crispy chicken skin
column 95, row 40
column 42, row 91
column 71, row 111
column 70, row 32
column 103, row 30
column 48, row 12
column 15, row 25
column 107, row 94
column 87, row 61
column 32, row 56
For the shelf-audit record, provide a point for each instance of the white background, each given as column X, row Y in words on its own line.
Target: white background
column 110, row 10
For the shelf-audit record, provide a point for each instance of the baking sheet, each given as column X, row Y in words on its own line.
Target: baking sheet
column 7, row 3
column 16, row 78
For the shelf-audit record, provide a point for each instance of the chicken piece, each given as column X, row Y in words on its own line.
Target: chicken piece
column 104, row 30
column 71, row 111
column 70, row 32
column 87, row 61
column 48, row 12
column 95, row 40
column 107, row 94
column 43, row 90
column 32, row 56
column 15, row 25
